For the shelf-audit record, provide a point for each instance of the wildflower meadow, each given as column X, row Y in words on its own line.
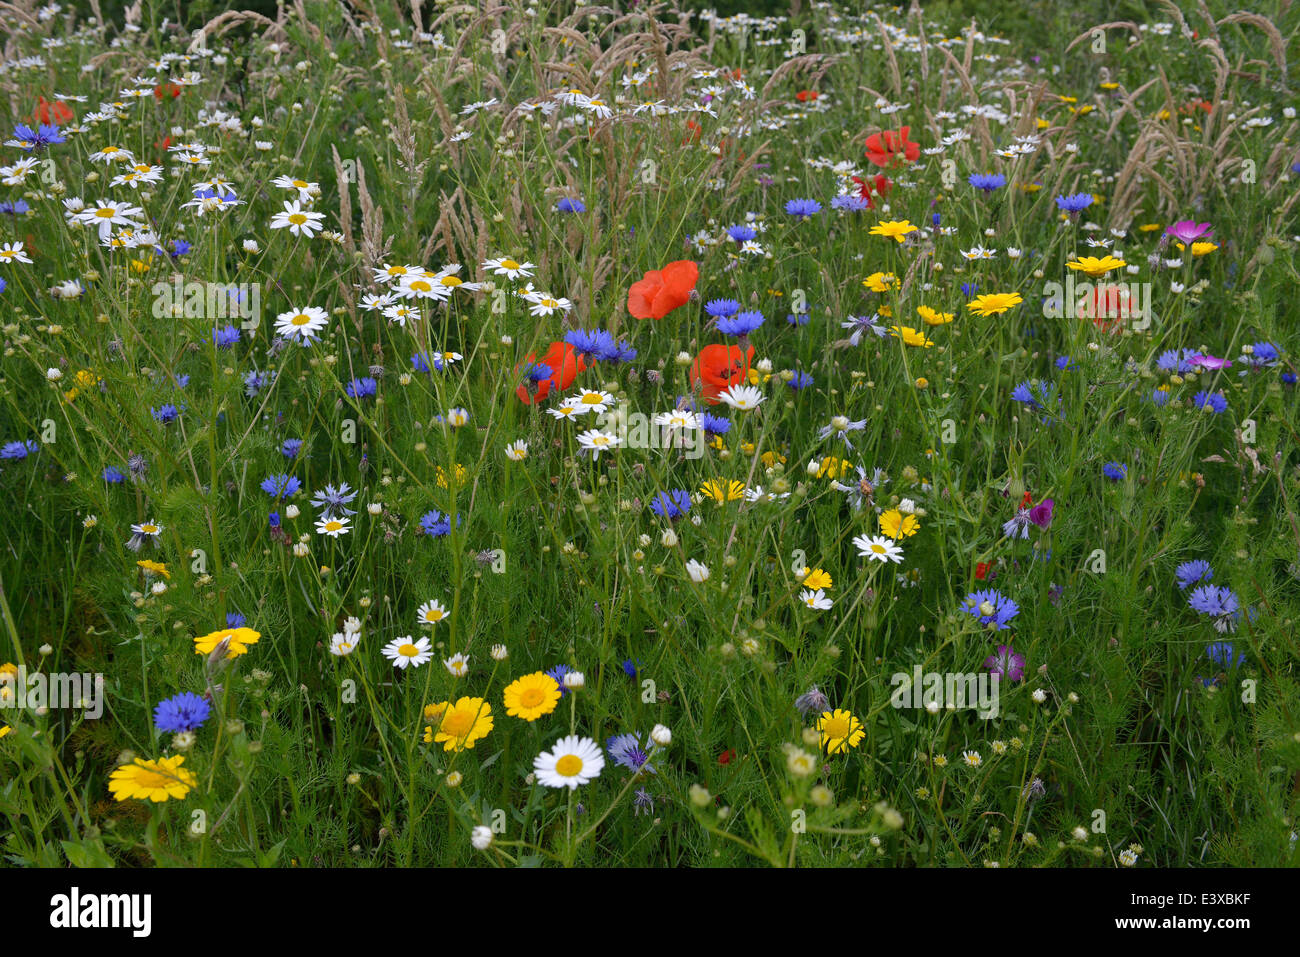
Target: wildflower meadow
column 631, row 435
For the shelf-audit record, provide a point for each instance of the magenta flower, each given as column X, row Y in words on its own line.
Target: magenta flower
column 1006, row 664
column 1041, row 514
column 1188, row 230
column 1209, row 362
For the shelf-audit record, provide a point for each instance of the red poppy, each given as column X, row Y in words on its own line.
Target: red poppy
column 663, row 290
column 806, row 96
column 565, row 365
column 693, row 131
column 879, row 183
column 56, row 113
column 1108, row 307
column 717, row 368
column 727, row 756
column 166, row 89
column 163, row 143
column 1027, row 500
column 884, row 148
column 982, row 570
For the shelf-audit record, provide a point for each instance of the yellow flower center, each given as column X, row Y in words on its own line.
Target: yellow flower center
column 458, row 723
column 300, row 183
column 532, row 697
column 408, row 650
column 301, row 319
column 569, row 766
column 836, row 727
column 433, row 614
column 105, row 213
column 592, row 398
column 451, row 281
column 297, row 219
column 509, row 264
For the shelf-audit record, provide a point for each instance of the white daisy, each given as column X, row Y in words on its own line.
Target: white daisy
column 343, row 643
column 302, row 323
column 509, row 268
column 517, row 450
column 815, row 600
column 431, row 612
column 743, row 397
column 592, row 400
column 407, row 652
column 333, row 527
column 573, row 761
column 878, row 548
column 299, row 221
column 458, row 665
column 597, row 441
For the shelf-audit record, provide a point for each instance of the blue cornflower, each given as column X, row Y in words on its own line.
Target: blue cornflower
column 988, row 182
column 714, row 424
column 1034, row 393
column 113, row 476
column 558, row 673
column 1160, row 397
column 629, row 667
column 672, row 504
column 850, row 202
column 166, row 413
column 1214, row 401
column 741, row 324
column 1115, row 471
column 627, row 751
column 281, row 486
column 183, row 712
column 991, row 607
column 741, row 234
column 362, row 388
column 17, row 208
column 1222, row 654
column 589, row 343
column 803, row 208
column 540, row 372
column 420, row 362
column 1189, row 573
column 1074, row 204
column 235, row 620
column 1063, row 363
column 1262, row 354
column 798, row 319
column 435, row 524
column 225, row 338
column 291, row 448
column 800, row 380
column 969, row 289
column 1175, row 361
column 334, row 500
column 37, row 139
column 621, row 351
column 18, row 450
column 1221, row 604
column 181, row 381
column 179, row 248
column 722, row 308
column 567, row 205
column 274, row 519
column 256, row 381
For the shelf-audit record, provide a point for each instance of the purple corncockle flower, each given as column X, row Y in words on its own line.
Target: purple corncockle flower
column 1209, row 362
column 1188, row 230
column 1006, row 664
column 1041, row 514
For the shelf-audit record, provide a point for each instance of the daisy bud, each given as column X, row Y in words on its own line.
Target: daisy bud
column 354, row 779
column 300, row 550
column 683, row 359
column 814, row 467
column 352, row 626
column 481, row 838
column 454, row 779
column 500, row 652
column 291, row 511
column 661, row 736
column 575, row 681
column 54, row 375
column 700, row 795
column 46, row 650
column 669, row 538
column 375, row 508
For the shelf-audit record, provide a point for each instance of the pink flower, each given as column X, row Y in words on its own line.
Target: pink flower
column 1188, row 230
column 1209, row 362
column 1041, row 514
column 1006, row 664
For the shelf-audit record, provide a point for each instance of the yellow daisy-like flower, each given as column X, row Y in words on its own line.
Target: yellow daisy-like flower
column 463, row 724
column 880, row 281
column 1149, row 227
column 5, row 730
column 1199, row 249
column 722, row 492
column 532, row 696
column 240, row 639
column 817, row 578
column 911, row 337
column 894, row 524
column 770, row 458
column 832, row 467
column 994, row 303
column 894, row 229
column 840, row 730
column 460, row 475
column 932, row 317
column 159, row 780
column 1095, row 267
column 156, row 568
